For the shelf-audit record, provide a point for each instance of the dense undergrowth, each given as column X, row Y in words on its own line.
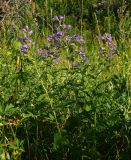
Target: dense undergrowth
column 65, row 81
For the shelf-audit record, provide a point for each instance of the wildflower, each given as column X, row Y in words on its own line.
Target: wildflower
column 30, row 40
column 109, row 38
column 110, row 55
column 57, row 43
column 55, row 18
column 40, row 51
column 81, row 42
column 24, row 30
column 47, row 54
column 56, row 59
column 30, row 32
column 61, row 17
column 58, row 39
column 80, row 51
column 55, row 36
column 68, row 27
column 111, row 47
column 50, row 38
column 101, row 38
column 68, row 38
column 22, row 40
column 77, row 37
column 64, row 26
column 24, row 48
column 60, row 33
column 26, row 40
column 55, row 28
column 83, row 55
column 101, row 48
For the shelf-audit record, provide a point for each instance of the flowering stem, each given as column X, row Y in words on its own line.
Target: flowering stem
column 97, row 24
column 54, row 113
column 18, row 70
column 81, row 16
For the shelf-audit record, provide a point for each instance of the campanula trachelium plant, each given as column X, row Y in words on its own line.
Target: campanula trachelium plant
column 108, row 46
column 59, row 98
column 60, row 41
column 26, row 39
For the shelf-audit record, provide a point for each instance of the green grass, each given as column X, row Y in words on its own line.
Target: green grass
column 65, row 111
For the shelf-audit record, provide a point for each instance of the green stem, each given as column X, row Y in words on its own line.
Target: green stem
column 13, row 133
column 81, row 16
column 97, row 24
column 28, row 142
column 54, row 113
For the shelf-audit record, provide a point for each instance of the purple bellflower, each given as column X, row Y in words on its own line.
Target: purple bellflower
column 68, row 27
column 101, row 48
column 68, row 38
column 109, row 38
column 24, row 47
column 50, row 38
column 40, row 51
column 26, row 41
column 61, row 17
column 110, row 55
column 78, row 37
column 101, row 38
column 55, row 18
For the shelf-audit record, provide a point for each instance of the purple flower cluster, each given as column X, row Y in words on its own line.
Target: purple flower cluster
column 58, row 18
column 107, row 45
column 109, row 38
column 83, row 55
column 106, row 37
column 26, row 40
column 61, row 40
column 60, row 30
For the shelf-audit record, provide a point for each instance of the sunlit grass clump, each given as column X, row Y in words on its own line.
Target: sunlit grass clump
column 64, row 95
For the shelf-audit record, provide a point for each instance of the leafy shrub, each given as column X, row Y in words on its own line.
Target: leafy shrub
column 61, row 98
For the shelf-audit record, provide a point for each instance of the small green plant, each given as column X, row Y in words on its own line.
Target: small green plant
column 65, row 88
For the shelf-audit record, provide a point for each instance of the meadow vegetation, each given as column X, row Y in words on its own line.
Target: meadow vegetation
column 65, row 80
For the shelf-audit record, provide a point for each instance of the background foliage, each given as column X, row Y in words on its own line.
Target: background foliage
column 68, row 104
